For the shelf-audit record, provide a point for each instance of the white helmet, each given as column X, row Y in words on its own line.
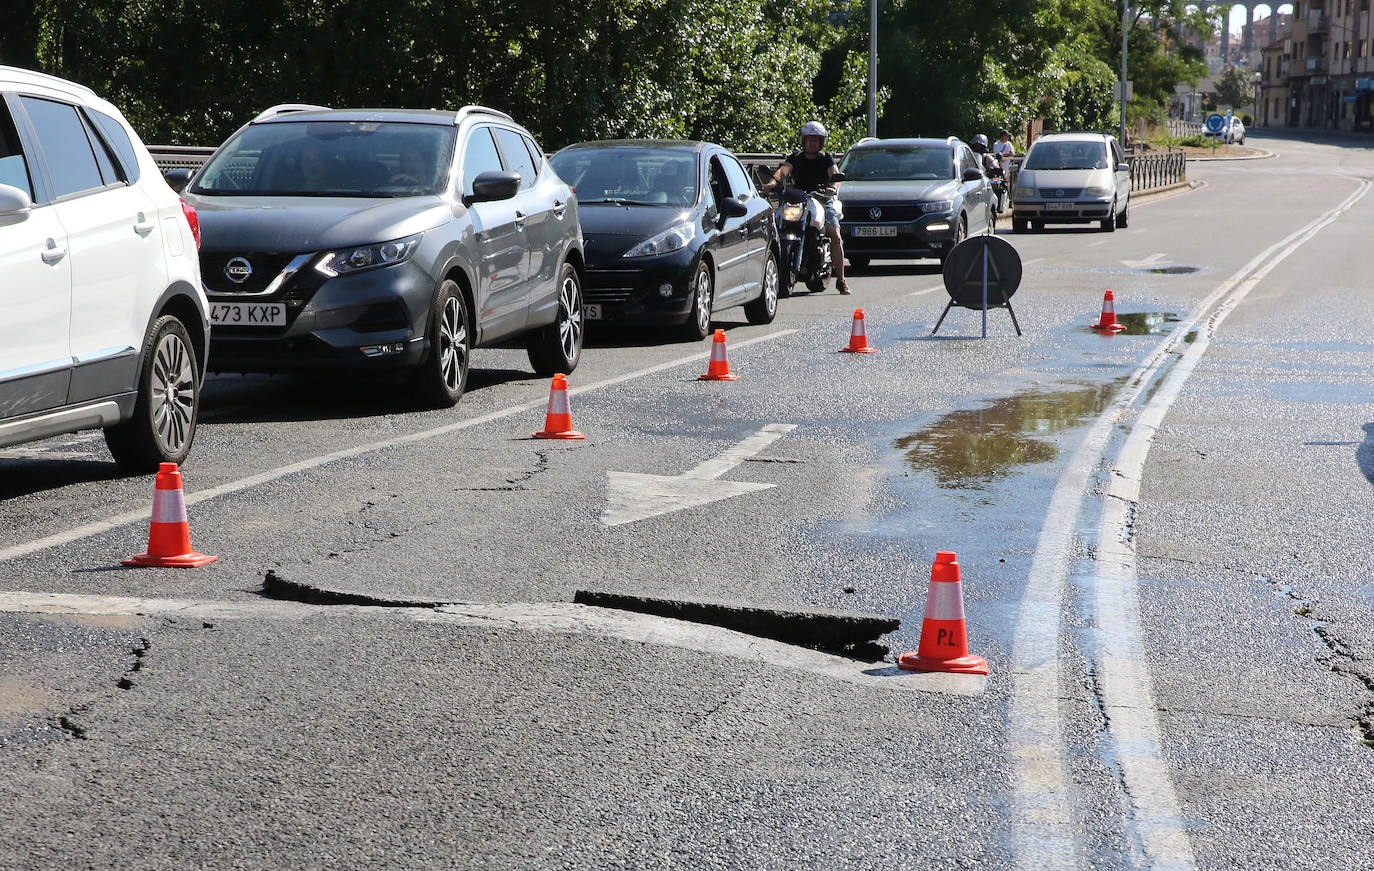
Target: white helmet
column 812, row 128
column 980, row 140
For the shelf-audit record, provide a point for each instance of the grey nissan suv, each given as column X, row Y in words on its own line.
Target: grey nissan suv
column 387, row 239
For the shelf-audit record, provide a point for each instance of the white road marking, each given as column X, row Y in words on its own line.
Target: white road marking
column 1032, row 260
column 1148, row 263
column 558, row 618
column 632, row 496
column 1122, row 670
column 100, row 526
column 1045, row 837
column 937, row 287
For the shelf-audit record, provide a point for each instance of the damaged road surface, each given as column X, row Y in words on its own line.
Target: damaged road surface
column 431, row 641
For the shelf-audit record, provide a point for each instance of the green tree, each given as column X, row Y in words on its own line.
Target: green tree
column 1233, row 88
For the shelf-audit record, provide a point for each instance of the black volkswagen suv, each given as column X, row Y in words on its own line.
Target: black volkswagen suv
column 388, row 238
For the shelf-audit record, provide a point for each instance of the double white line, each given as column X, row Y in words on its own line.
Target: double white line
column 1044, row 828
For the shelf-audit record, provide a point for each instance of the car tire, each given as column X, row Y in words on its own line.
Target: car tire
column 1020, row 225
column 858, row 262
column 444, row 373
column 1037, row 226
column 960, row 234
column 167, row 405
column 1123, row 217
column 698, row 323
column 558, row 346
column 1108, row 224
column 765, row 308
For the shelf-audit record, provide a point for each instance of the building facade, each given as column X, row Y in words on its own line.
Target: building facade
column 1330, row 69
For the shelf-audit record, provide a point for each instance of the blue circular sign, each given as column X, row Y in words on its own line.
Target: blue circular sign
column 1215, row 123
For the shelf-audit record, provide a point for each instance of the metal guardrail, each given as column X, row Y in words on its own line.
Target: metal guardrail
column 1147, row 170
column 169, row 157
column 1157, row 170
column 1183, row 129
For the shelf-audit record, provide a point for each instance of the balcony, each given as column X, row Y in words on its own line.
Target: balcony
column 1315, row 65
column 1318, row 22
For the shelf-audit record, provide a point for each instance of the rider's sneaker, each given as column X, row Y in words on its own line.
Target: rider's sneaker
column 842, row 286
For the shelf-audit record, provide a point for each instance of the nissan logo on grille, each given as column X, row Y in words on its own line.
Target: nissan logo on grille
column 238, row 270
column 875, row 213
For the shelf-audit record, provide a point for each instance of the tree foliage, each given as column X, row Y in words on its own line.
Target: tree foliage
column 746, row 73
column 1234, row 88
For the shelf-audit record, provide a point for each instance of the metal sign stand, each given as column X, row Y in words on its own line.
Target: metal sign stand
column 1001, row 272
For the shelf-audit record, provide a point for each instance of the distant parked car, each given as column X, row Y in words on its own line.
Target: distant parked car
column 382, row 239
column 1231, row 135
column 1072, row 178
column 906, row 198
column 103, row 322
column 675, row 232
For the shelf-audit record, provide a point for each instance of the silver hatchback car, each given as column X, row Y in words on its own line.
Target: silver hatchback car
column 379, row 239
column 1072, row 178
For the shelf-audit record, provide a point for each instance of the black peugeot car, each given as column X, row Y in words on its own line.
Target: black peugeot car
column 673, row 231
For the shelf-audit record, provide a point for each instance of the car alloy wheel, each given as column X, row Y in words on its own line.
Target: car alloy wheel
column 556, row 347
column 698, row 324
column 765, row 308
column 173, row 396
column 453, row 344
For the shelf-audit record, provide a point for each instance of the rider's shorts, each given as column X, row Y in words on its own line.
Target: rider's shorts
column 832, row 213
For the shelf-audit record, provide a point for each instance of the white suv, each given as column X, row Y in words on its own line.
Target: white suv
column 103, row 319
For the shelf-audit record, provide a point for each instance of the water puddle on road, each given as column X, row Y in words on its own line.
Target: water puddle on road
column 1144, row 323
column 969, row 449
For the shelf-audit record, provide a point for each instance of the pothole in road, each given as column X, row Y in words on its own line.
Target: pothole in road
column 972, row 448
column 1171, row 270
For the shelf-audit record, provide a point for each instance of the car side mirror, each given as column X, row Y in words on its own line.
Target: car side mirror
column 972, row 174
column 177, row 179
column 731, row 207
column 1123, row 167
column 493, row 185
column 15, row 205
column 837, row 177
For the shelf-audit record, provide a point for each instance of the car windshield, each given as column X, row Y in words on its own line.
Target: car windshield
column 898, row 163
column 1067, row 155
column 331, row 159
column 630, row 175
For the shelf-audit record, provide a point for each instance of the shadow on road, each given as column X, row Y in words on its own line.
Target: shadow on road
column 27, row 476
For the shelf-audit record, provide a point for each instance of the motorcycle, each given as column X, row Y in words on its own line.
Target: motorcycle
column 805, row 247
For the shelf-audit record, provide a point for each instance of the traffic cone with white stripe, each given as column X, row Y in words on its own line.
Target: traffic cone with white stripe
column 944, row 638
column 558, row 420
column 858, row 339
column 169, row 534
column 1108, row 322
column 719, row 370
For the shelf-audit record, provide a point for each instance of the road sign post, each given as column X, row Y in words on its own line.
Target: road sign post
column 978, row 270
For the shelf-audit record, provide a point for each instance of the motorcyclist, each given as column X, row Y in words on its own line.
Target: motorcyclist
column 810, row 170
column 991, row 168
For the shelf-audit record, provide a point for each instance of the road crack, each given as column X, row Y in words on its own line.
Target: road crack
column 139, row 651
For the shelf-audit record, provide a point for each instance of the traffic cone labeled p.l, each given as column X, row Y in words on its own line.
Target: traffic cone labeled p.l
column 1108, row 323
column 944, row 637
column 719, row 370
column 858, row 339
column 169, row 534
column 558, row 419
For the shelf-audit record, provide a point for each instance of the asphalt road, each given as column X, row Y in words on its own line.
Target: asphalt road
column 1161, row 537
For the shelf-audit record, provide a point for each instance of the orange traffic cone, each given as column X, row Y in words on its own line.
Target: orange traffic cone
column 558, row 420
column 169, row 535
column 1108, row 323
column 719, row 370
column 944, row 639
column 858, row 339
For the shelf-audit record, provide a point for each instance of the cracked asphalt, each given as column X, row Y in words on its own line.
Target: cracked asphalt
column 271, row 735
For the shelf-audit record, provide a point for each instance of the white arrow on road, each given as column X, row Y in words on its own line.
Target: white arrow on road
column 632, row 496
column 1148, row 263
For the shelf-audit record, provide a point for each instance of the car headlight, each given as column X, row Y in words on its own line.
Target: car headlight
column 367, row 256
column 1098, row 191
column 793, row 212
column 937, row 206
column 670, row 239
column 1023, row 191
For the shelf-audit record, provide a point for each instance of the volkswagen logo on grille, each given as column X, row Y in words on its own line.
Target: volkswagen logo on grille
column 875, row 213
column 238, row 270
column 1059, row 193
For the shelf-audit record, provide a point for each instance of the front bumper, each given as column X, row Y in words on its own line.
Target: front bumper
column 927, row 236
column 329, row 323
column 628, row 292
column 1061, row 212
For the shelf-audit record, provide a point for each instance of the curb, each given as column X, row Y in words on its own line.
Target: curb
column 1265, row 156
column 1159, row 191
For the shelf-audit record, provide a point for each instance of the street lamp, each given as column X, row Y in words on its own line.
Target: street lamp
column 1255, row 80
